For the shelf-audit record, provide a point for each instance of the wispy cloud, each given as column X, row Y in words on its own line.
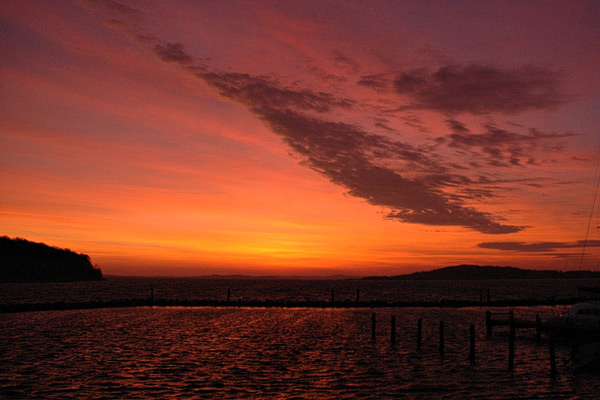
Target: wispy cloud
column 457, row 127
column 479, row 89
column 413, row 183
column 502, row 147
column 348, row 155
column 117, row 8
column 262, row 92
column 538, row 246
column 380, row 82
column 351, row 157
column 172, row 52
column 117, row 11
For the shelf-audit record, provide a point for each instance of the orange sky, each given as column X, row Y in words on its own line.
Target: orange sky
column 312, row 138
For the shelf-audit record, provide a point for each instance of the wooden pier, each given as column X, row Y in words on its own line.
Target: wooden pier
column 560, row 327
column 497, row 319
column 508, row 319
column 553, row 330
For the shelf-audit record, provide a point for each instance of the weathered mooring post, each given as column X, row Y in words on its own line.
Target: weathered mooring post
column 373, row 326
column 488, row 324
column 511, row 343
column 552, row 355
column 442, row 338
column 393, row 331
column 419, row 332
column 472, row 343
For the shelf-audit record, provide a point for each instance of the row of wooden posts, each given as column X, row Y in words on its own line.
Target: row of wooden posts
column 420, row 335
column 513, row 324
column 358, row 296
column 489, row 322
column 511, row 343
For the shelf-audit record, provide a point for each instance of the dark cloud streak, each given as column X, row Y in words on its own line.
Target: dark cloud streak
column 457, row 127
column 503, row 148
column 478, row 89
column 258, row 92
column 339, row 152
column 173, row 52
column 537, row 247
column 344, row 153
column 376, row 81
column 348, row 156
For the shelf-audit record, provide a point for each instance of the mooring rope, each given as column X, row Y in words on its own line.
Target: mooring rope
column 587, row 233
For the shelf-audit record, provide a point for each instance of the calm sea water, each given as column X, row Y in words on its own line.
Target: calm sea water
column 120, row 288
column 278, row 353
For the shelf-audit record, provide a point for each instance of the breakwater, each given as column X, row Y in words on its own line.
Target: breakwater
column 159, row 302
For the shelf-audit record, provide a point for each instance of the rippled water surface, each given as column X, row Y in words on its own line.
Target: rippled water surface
column 274, row 353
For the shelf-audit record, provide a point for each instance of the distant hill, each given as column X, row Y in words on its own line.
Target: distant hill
column 476, row 272
column 25, row 261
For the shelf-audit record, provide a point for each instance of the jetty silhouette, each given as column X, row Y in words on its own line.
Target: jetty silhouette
column 25, row 261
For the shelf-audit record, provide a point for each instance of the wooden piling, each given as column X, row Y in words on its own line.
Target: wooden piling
column 419, row 332
column 358, row 295
column 151, row 296
column 373, row 326
column 511, row 343
column 570, row 331
column 488, row 324
column 472, row 343
column 393, row 331
column 442, row 338
column 552, row 355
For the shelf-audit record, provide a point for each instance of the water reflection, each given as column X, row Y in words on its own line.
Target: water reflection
column 272, row 353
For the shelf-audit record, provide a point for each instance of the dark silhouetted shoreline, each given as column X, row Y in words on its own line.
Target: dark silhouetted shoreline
column 476, row 272
column 25, row 261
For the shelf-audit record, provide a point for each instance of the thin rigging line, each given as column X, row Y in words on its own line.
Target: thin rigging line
column 587, row 233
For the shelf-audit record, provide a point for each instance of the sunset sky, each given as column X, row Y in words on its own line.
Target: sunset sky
column 302, row 137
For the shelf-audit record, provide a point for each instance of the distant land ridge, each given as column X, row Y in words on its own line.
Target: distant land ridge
column 25, row 261
column 476, row 272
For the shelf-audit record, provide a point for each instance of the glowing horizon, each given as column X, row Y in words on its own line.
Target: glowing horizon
column 301, row 138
